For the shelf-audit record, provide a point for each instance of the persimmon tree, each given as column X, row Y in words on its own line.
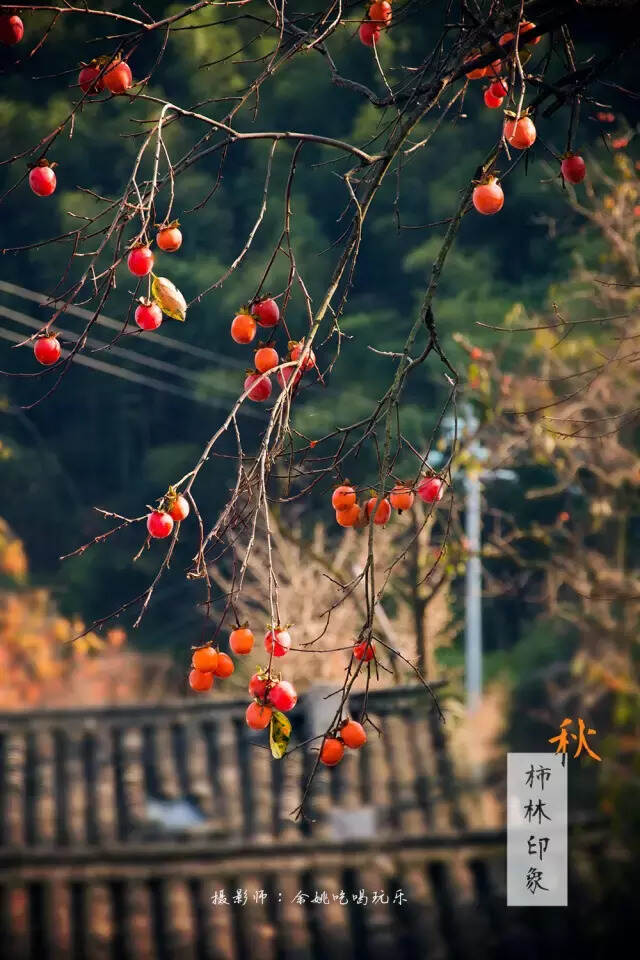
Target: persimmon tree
column 565, row 422
column 526, row 56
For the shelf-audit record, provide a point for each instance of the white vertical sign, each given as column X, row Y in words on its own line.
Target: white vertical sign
column 536, row 830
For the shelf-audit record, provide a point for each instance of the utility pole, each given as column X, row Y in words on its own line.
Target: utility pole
column 475, row 473
column 473, row 591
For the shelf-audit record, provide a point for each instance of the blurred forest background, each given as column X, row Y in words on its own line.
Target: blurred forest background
column 562, row 515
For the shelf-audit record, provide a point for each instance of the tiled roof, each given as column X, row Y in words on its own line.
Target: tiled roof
column 183, row 772
column 120, row 827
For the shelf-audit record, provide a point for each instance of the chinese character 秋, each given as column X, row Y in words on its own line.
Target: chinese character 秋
column 563, row 739
column 533, row 879
column 543, row 844
column 530, row 811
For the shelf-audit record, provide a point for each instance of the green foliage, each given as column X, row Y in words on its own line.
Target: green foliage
column 122, row 443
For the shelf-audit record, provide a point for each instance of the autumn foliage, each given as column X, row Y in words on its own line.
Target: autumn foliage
column 42, row 665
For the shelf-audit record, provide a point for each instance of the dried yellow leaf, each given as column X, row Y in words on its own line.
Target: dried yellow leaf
column 279, row 734
column 168, row 298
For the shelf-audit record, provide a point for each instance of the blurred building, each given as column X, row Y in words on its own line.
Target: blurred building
column 166, row 832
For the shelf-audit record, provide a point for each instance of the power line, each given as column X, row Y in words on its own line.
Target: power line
column 138, row 378
column 129, row 354
column 159, row 338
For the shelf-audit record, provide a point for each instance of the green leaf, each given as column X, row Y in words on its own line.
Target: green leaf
column 279, row 734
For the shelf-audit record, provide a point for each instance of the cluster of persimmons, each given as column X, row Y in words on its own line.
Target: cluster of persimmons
column 266, row 313
column 519, row 130
column 268, row 690
column 350, row 513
